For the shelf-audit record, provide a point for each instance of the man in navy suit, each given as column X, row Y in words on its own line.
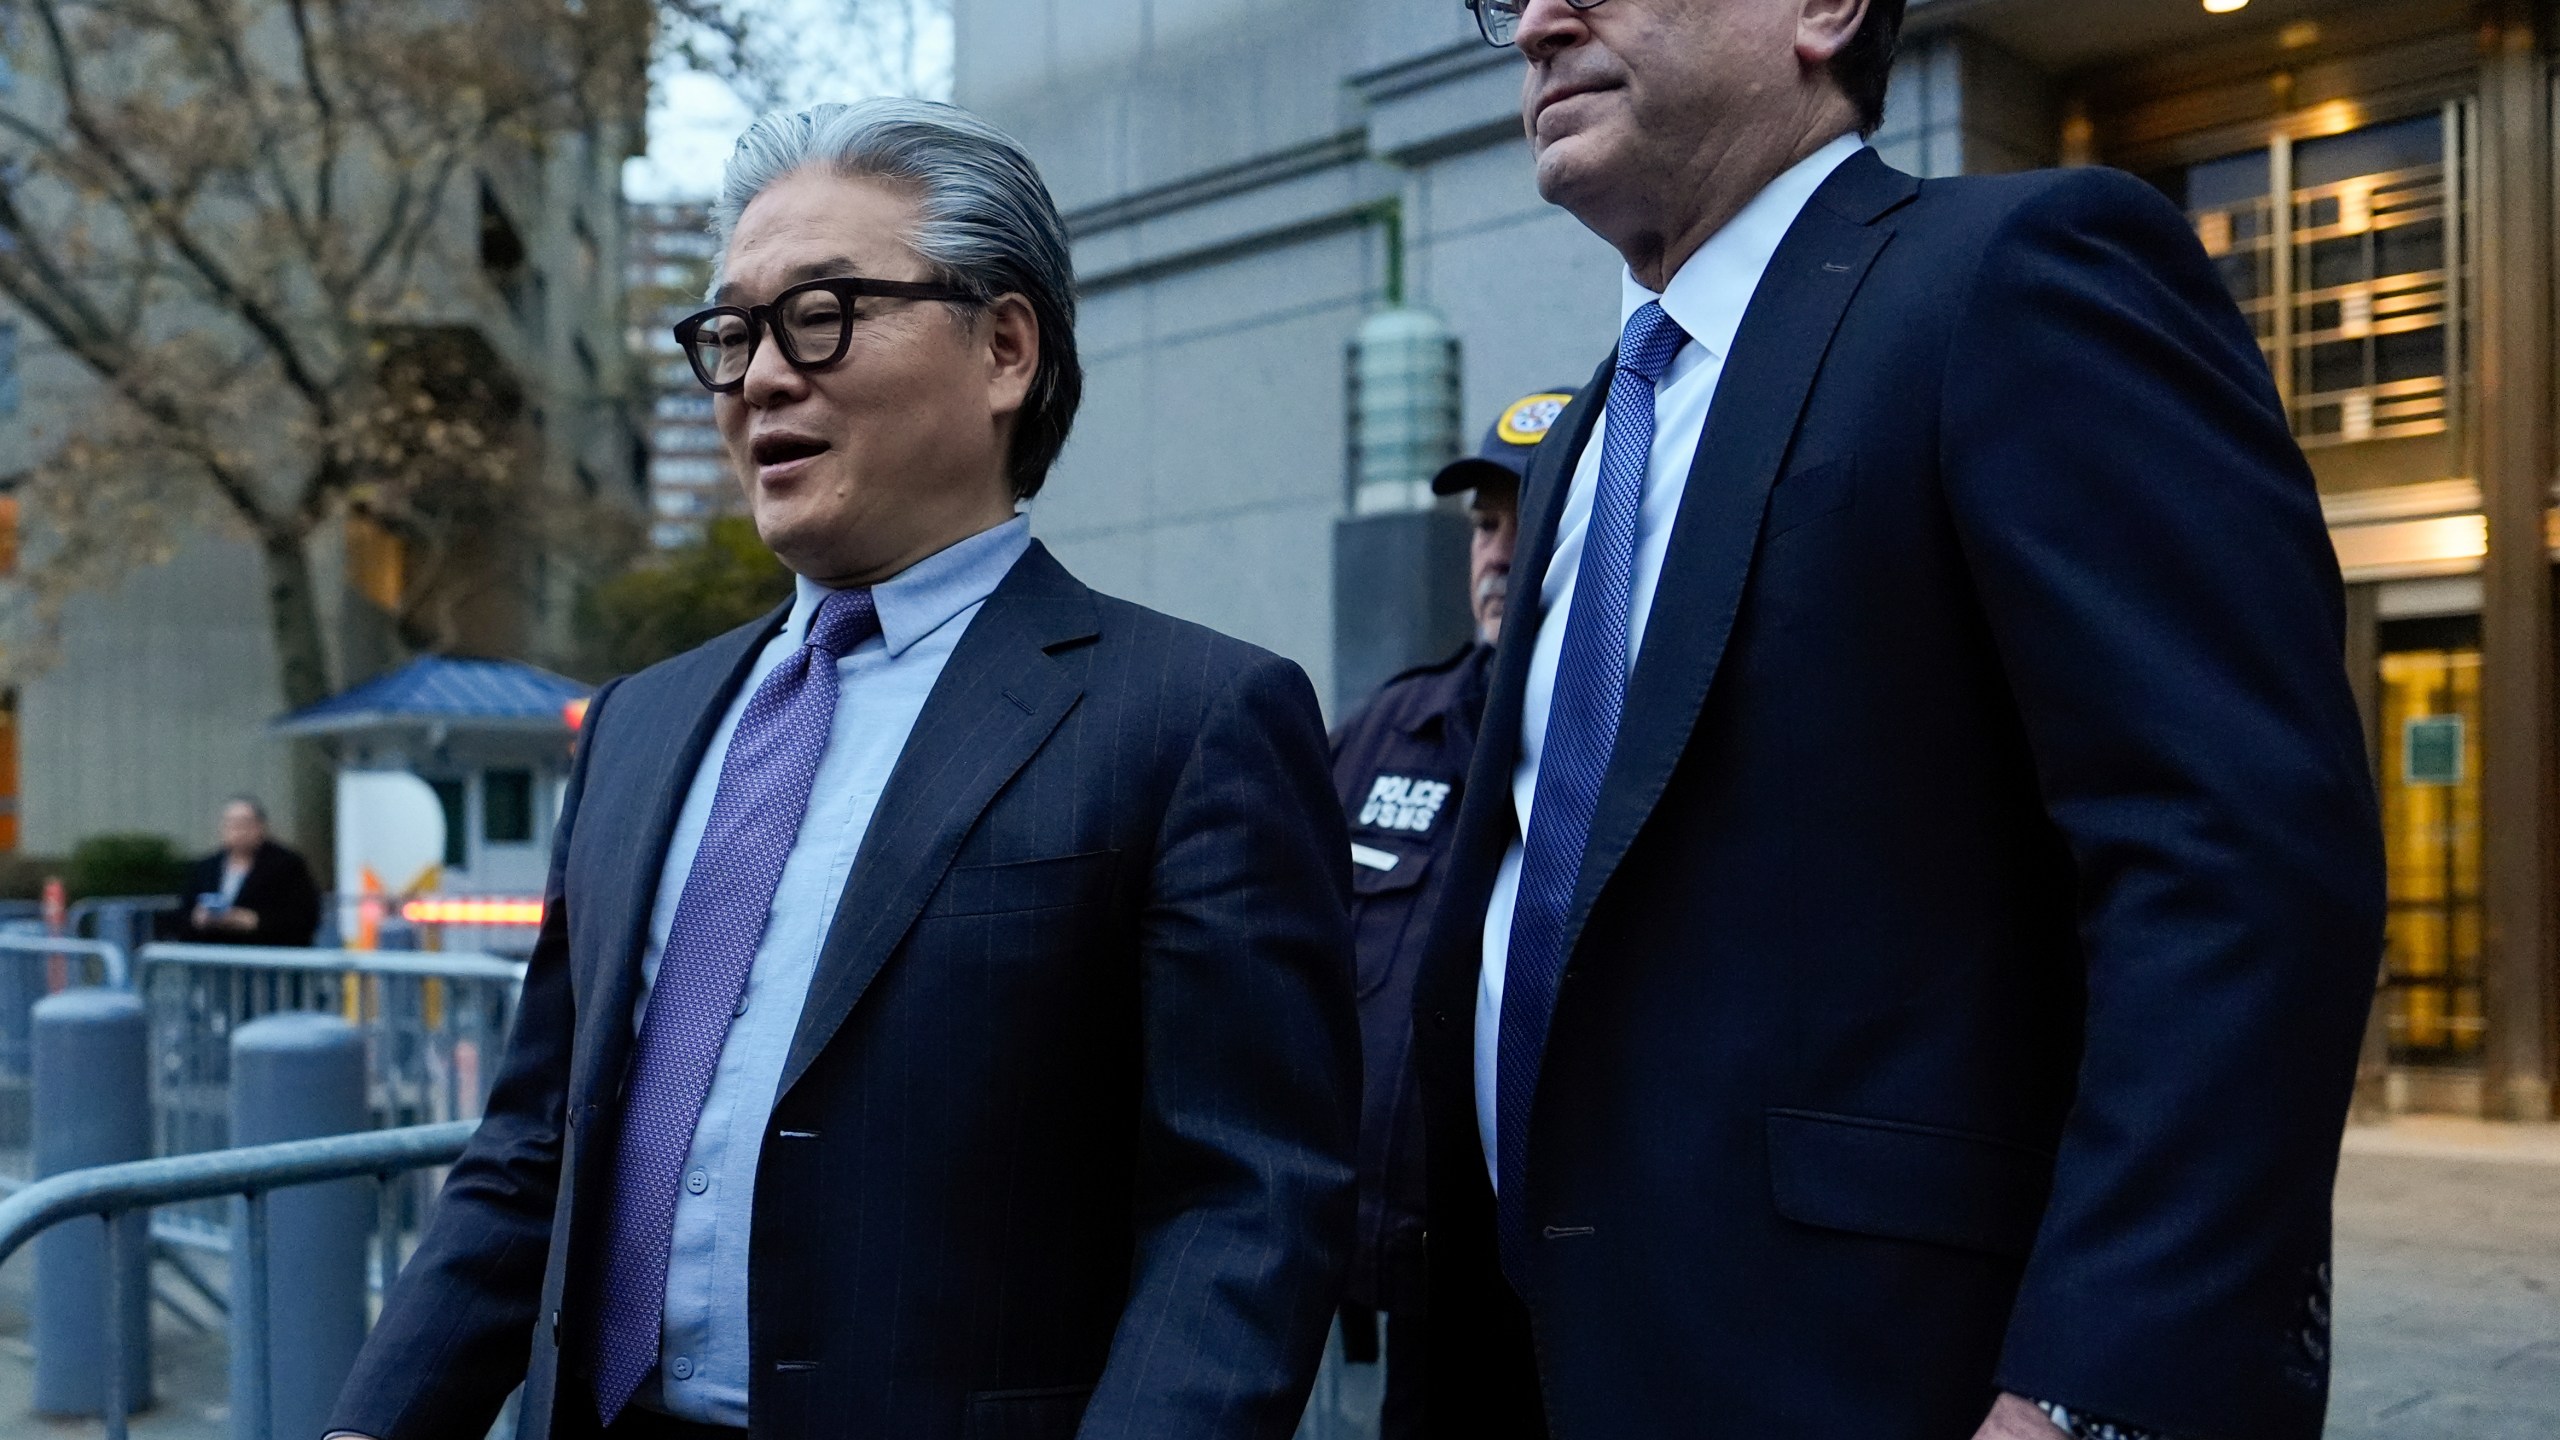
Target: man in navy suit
column 941, row 1025
column 1919, row 892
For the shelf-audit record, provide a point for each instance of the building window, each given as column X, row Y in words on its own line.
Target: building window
column 506, row 807
column 9, row 394
column 679, row 470
column 503, row 255
column 377, row 564
column 456, row 801
column 686, row 439
column 2355, row 280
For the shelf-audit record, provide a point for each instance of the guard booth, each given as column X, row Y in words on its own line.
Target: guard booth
column 491, row 740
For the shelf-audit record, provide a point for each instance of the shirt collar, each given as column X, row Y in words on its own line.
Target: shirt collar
column 1714, row 287
column 922, row 598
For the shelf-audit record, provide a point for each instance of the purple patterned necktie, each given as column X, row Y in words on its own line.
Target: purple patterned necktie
column 755, row 819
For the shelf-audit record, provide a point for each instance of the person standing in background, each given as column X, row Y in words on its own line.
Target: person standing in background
column 252, row 891
column 1399, row 765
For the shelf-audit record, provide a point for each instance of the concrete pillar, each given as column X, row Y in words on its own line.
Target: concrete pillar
column 297, row 1076
column 92, row 1107
column 2516, row 462
column 1399, row 598
column 2364, row 676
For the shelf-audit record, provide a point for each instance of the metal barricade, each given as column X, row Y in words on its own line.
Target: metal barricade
column 128, row 920
column 32, row 966
column 435, row 1027
column 109, row 1191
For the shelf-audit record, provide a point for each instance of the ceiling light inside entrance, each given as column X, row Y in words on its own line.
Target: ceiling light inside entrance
column 2224, row 7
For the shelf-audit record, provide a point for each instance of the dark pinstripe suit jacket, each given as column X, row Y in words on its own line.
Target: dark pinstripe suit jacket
column 1063, row 1144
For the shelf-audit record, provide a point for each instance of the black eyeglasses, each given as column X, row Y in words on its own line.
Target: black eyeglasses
column 1500, row 19
column 811, row 322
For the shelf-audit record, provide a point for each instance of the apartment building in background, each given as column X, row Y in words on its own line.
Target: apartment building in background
column 1250, row 188
column 670, row 268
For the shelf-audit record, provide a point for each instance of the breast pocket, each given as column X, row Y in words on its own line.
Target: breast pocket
column 1386, row 886
column 1059, row 882
column 1813, row 492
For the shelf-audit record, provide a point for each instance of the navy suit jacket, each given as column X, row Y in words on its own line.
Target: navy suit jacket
column 1063, row 1146
column 1966, row 971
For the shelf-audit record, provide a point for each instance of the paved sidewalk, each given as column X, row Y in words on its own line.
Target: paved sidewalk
column 2448, row 1300
column 2448, row 1283
column 189, row 1373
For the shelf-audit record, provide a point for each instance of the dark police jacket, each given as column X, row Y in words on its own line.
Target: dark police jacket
column 1063, row 1145
column 1966, row 972
column 1399, row 766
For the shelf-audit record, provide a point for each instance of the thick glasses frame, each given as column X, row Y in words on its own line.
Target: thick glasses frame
column 1499, row 20
column 761, row 321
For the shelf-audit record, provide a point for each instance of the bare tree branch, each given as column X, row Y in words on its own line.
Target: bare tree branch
column 155, row 208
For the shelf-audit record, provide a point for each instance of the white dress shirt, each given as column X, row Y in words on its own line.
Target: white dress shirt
column 1707, row 299
column 881, row 688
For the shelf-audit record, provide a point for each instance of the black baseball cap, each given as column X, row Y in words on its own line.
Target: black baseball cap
column 1508, row 445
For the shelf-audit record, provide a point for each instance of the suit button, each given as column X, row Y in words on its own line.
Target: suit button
column 1440, row 1019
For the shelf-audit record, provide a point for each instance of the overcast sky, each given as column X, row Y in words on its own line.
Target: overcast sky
column 818, row 50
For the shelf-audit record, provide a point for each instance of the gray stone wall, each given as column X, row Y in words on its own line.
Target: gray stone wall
column 1245, row 183
column 156, row 709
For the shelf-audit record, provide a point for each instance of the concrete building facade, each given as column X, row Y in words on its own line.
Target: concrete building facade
column 1246, row 184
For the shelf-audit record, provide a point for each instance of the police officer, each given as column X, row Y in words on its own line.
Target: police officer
column 1399, row 764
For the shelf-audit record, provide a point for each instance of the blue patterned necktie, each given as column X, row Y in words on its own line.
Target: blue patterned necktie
column 1582, row 729
column 720, row 919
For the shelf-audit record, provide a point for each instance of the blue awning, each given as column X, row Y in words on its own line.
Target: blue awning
column 447, row 691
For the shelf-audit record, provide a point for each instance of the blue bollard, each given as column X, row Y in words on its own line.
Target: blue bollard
column 92, row 1107
column 21, row 986
column 294, row 1077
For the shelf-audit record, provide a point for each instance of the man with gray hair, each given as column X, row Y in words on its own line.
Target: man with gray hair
column 1917, row 899
column 941, row 1025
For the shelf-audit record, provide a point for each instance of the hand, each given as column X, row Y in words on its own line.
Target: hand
column 236, row 918
column 204, row 917
column 2016, row 1419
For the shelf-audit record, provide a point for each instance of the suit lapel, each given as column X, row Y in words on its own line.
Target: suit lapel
column 660, row 740
column 1779, row 350
column 1000, row 696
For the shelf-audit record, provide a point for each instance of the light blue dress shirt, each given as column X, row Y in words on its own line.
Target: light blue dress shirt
column 882, row 685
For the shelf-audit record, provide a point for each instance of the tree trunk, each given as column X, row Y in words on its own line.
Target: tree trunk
column 293, row 615
column 302, row 675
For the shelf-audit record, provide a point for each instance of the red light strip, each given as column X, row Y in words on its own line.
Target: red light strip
column 472, row 912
